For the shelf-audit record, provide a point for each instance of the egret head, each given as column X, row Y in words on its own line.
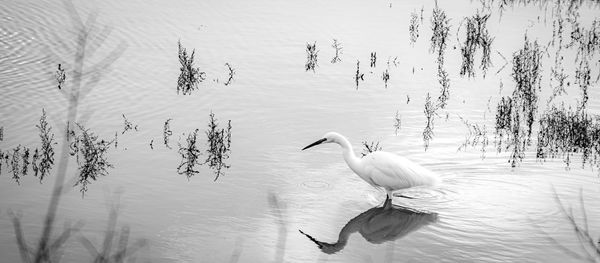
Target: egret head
column 327, row 138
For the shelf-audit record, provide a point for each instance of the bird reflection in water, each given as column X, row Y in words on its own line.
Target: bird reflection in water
column 378, row 225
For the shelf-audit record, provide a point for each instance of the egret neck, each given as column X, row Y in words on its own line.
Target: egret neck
column 349, row 156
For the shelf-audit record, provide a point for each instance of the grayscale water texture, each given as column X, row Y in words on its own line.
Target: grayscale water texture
column 251, row 61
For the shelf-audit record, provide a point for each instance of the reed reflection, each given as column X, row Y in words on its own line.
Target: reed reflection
column 379, row 225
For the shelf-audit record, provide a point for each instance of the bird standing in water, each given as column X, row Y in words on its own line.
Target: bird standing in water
column 382, row 169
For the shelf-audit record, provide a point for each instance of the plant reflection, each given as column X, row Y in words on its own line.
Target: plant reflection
column 379, row 225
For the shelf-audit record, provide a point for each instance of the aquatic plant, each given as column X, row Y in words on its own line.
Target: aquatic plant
column 477, row 135
column 219, row 146
column 358, row 76
column 15, row 164
column 60, row 76
column 563, row 132
column 440, row 25
column 441, row 30
column 190, row 155
column 25, row 160
column 373, row 59
column 1, row 133
column 231, row 74
column 430, row 113
column 444, row 87
column 516, row 115
column 397, row 123
column 386, row 77
column 477, row 37
column 338, row 50
column 527, row 75
column 413, row 28
column 87, row 41
column 189, row 76
column 370, row 147
column 91, row 158
column 311, row 56
column 46, row 153
column 127, row 125
column 167, row 133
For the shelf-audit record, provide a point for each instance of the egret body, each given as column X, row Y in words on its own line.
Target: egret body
column 382, row 169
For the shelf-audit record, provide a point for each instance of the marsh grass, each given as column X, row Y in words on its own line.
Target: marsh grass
column 219, row 146
column 87, row 41
column 46, row 153
column 477, row 38
column 90, row 152
column 386, row 77
column 167, row 133
column 189, row 76
column 190, row 155
column 370, row 147
column 338, row 51
column 564, row 132
column 358, row 75
column 440, row 25
column 413, row 28
column 515, row 115
column 430, row 114
column 477, row 135
column 311, row 56
column 373, row 59
column 397, row 123
column 60, row 76
column 15, row 164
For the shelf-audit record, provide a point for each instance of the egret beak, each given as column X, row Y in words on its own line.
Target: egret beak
column 315, row 143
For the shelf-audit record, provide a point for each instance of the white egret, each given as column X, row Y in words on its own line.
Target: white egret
column 382, row 169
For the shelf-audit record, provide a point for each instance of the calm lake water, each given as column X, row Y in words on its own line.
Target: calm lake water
column 484, row 211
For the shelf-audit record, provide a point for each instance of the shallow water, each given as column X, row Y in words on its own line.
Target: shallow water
column 484, row 209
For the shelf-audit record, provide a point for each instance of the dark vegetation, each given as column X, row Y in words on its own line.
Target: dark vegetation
column 516, row 114
column 370, row 147
column 373, row 59
column 60, row 76
column 189, row 76
column 311, row 56
column 167, row 133
column 386, row 77
column 190, row 155
column 231, row 73
column 218, row 148
column 563, row 132
column 397, row 122
column 359, row 75
column 477, row 135
column 477, row 37
column 127, row 125
column 91, row 156
column 338, row 51
column 413, row 28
